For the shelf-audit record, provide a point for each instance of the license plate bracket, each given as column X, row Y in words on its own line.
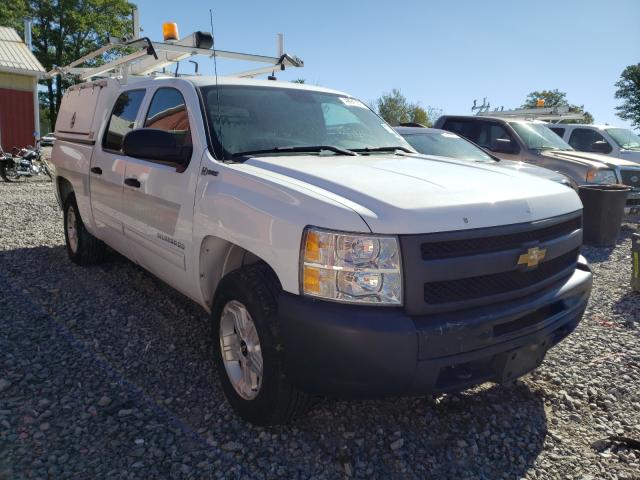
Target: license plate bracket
column 519, row 361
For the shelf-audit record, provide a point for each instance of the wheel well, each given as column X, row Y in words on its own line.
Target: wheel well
column 218, row 257
column 64, row 189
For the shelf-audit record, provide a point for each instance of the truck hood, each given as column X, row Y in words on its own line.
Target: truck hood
column 595, row 160
column 399, row 194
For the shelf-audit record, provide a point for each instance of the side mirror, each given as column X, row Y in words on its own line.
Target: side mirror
column 154, row 144
column 503, row 145
column 601, row 146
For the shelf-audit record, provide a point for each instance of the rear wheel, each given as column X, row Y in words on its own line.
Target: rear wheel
column 82, row 247
column 9, row 172
column 247, row 349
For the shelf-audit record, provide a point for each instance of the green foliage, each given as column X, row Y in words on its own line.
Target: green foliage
column 629, row 91
column 556, row 98
column 396, row 109
column 420, row 115
column 64, row 30
column 299, row 80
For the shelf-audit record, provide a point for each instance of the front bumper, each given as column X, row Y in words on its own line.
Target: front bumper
column 356, row 351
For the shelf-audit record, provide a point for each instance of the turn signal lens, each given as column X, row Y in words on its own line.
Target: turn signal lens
column 170, row 31
column 312, row 247
column 311, row 279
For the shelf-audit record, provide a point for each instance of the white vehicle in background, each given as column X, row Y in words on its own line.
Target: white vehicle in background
column 604, row 139
column 333, row 259
column 48, row 140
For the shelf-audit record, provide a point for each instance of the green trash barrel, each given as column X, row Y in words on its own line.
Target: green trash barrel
column 603, row 210
column 635, row 262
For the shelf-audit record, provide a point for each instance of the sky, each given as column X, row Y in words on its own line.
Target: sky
column 442, row 54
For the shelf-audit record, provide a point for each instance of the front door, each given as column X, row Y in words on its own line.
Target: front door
column 108, row 169
column 158, row 197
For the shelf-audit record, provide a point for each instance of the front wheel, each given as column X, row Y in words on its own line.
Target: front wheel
column 247, row 350
column 82, row 247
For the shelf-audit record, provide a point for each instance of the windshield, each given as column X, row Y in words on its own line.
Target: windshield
column 625, row 138
column 538, row 137
column 254, row 118
column 446, row 144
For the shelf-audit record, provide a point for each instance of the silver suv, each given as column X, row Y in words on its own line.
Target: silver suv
column 533, row 142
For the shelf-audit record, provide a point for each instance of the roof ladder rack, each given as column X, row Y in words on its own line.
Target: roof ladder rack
column 149, row 56
column 548, row 114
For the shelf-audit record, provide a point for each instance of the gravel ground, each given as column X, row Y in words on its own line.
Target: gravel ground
column 105, row 372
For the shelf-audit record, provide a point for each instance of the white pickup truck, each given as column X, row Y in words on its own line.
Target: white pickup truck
column 333, row 259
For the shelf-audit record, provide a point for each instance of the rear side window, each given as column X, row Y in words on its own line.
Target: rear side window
column 464, row 128
column 168, row 112
column 122, row 120
column 583, row 139
column 558, row 131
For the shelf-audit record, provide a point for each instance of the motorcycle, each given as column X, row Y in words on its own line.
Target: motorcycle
column 24, row 162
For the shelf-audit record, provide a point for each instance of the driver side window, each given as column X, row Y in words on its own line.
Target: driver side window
column 582, row 139
column 490, row 133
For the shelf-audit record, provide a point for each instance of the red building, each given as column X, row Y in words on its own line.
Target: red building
column 19, row 74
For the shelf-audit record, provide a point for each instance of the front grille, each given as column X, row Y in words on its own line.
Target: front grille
column 476, row 246
column 487, row 285
column 631, row 178
column 458, row 270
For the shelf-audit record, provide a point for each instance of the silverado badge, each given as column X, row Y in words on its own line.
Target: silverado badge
column 532, row 257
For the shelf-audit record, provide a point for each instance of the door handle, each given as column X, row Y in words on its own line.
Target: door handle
column 96, row 170
column 132, row 182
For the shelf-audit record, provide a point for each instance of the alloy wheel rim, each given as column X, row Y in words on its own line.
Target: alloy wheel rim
column 240, row 349
column 72, row 230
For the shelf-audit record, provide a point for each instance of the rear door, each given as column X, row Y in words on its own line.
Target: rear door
column 158, row 197
column 107, row 170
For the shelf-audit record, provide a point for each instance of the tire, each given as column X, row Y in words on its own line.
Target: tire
column 82, row 247
column 8, row 175
column 275, row 401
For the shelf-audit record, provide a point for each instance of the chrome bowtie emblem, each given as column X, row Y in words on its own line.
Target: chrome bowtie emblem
column 532, row 257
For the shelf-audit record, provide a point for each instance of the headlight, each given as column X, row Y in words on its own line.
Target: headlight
column 601, row 176
column 351, row 267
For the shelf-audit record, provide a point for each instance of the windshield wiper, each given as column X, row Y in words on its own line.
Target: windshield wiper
column 305, row 148
column 547, row 147
column 382, row 149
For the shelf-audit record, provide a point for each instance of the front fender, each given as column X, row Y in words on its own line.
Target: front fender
column 264, row 215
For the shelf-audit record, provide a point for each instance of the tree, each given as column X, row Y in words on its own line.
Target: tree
column 396, row 109
column 420, row 115
column 65, row 30
column 629, row 91
column 299, row 80
column 556, row 98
